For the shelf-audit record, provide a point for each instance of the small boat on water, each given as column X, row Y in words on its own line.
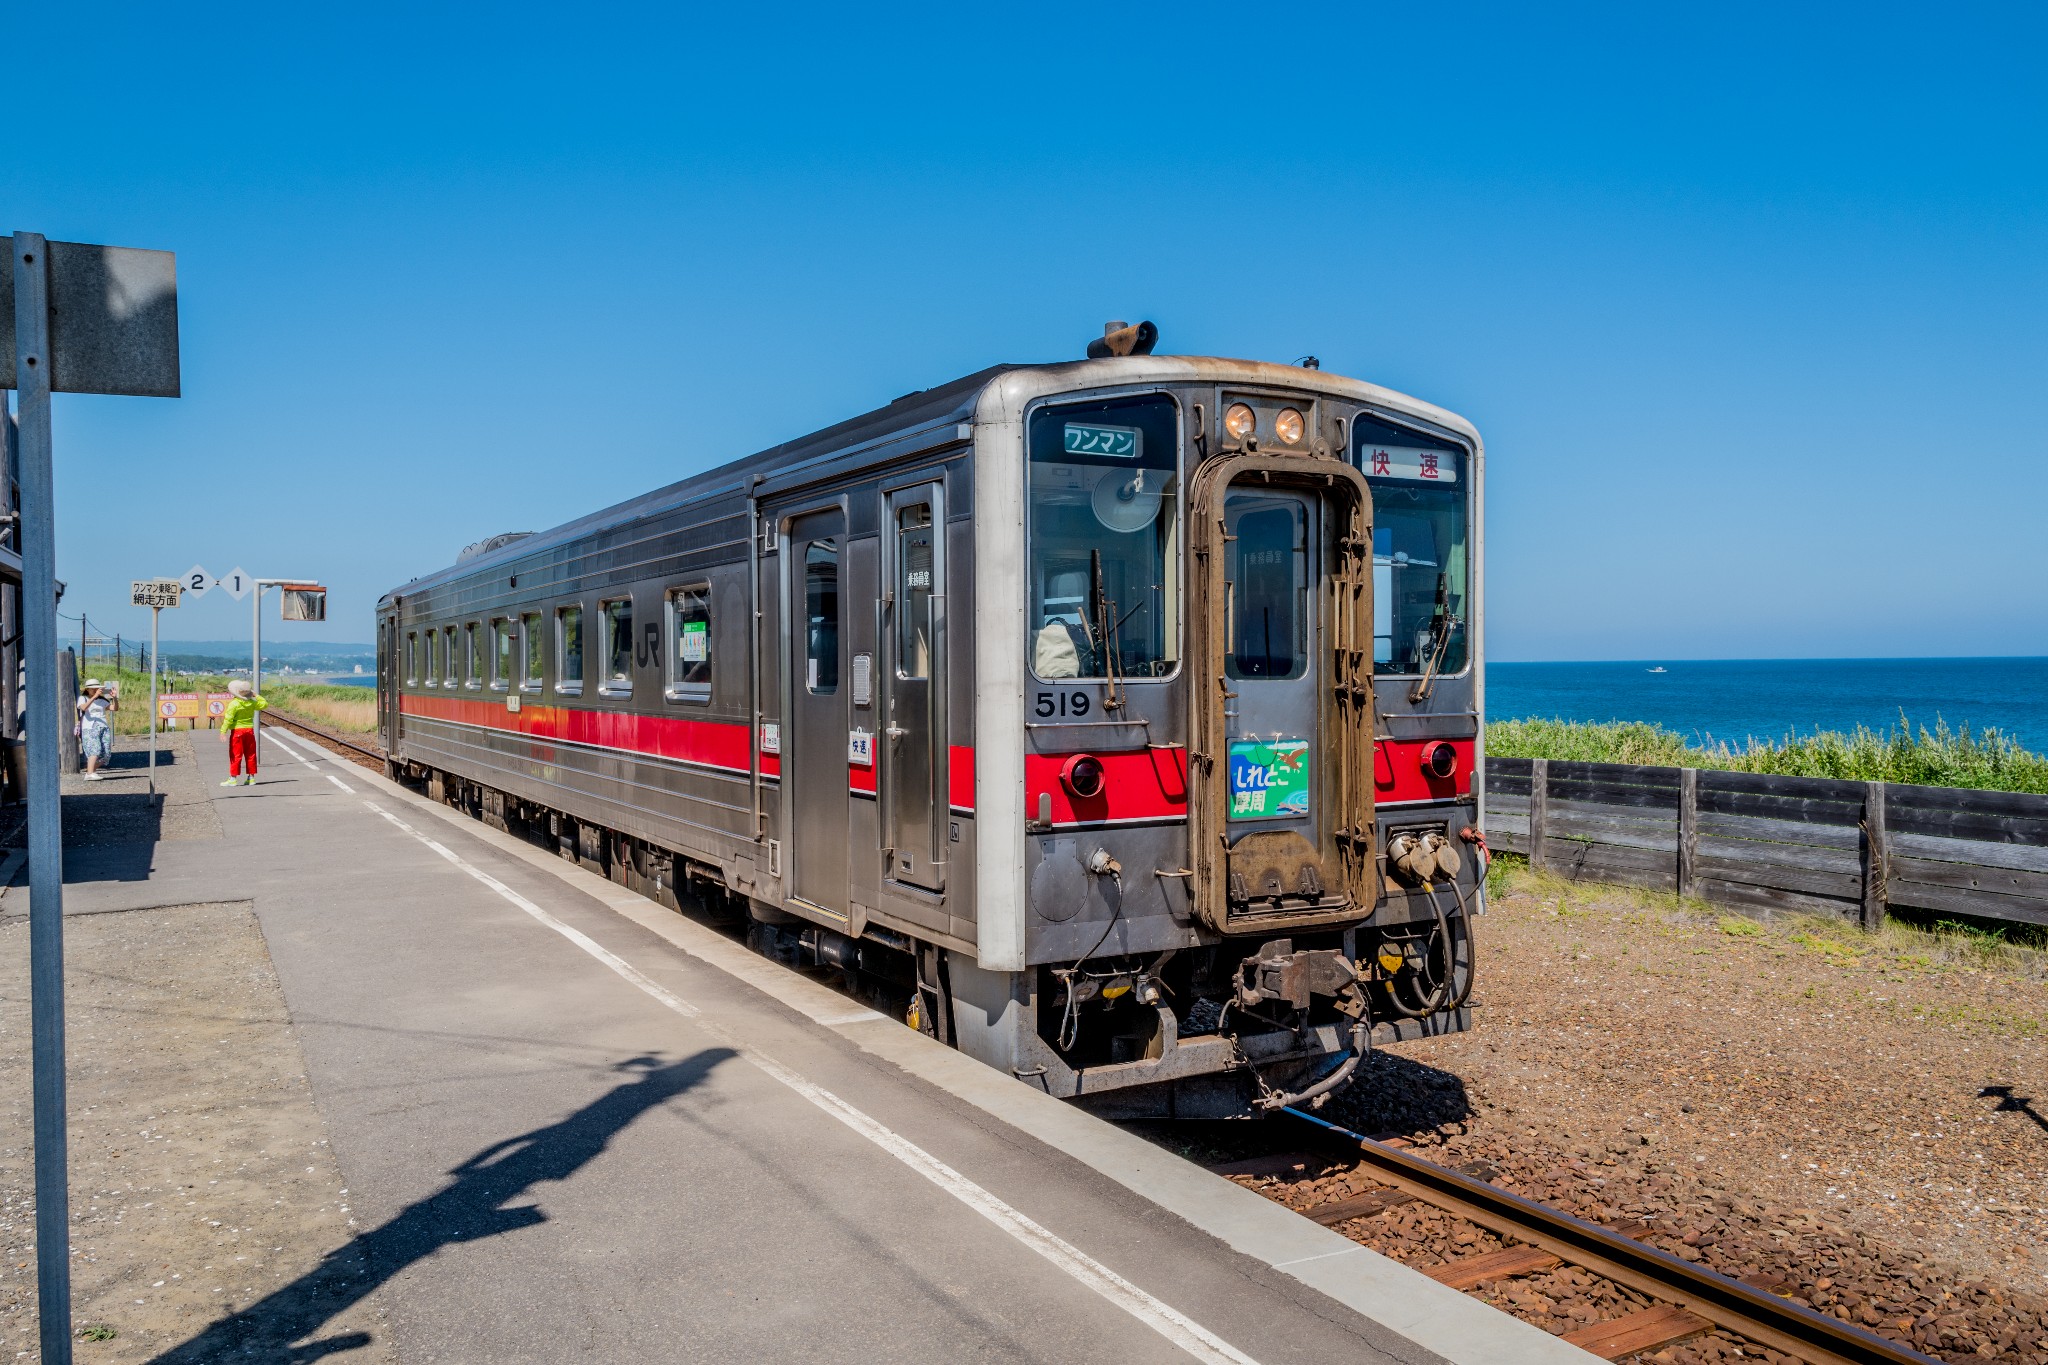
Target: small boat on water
column 1658, row 669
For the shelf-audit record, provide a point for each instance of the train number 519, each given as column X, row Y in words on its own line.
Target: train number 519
column 1062, row 704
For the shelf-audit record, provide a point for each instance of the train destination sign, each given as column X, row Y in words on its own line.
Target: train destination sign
column 1410, row 462
column 1089, row 438
column 155, row 592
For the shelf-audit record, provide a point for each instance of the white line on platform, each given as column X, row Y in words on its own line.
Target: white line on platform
column 1189, row 1335
column 278, row 740
column 575, row 936
column 341, row 784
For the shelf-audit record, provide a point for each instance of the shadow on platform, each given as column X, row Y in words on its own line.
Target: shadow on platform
column 475, row 1204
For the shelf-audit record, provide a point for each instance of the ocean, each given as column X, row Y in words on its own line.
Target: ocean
column 1734, row 700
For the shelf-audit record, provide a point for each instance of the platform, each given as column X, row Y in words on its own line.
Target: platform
column 572, row 1124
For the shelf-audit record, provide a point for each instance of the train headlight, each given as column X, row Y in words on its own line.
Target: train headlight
column 1238, row 420
column 1440, row 760
column 1082, row 776
column 1288, row 427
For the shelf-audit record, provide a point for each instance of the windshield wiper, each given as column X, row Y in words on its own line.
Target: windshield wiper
column 1441, row 624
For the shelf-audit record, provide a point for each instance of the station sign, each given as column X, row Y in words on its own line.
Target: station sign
column 178, row 706
column 217, row 704
column 155, row 592
column 1409, row 462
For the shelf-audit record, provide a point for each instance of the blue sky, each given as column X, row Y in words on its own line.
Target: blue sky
column 1748, row 302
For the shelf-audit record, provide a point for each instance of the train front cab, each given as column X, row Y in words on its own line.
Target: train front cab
column 1207, row 919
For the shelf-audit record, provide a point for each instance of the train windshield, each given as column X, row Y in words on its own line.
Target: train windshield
column 1105, row 539
column 1420, row 495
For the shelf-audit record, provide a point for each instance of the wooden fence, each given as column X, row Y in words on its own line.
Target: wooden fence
column 1749, row 839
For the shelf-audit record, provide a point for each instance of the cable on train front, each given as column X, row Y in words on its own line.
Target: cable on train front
column 1251, row 730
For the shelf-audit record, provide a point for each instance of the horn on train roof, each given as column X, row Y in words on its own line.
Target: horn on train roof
column 1120, row 338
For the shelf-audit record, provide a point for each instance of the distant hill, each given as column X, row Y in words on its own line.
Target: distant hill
column 215, row 656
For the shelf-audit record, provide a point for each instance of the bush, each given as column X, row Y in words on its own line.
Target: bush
column 1941, row 757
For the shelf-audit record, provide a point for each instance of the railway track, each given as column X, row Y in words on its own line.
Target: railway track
column 1688, row 1300
column 367, row 755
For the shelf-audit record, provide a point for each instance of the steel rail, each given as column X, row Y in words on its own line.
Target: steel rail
column 1761, row 1317
column 327, row 736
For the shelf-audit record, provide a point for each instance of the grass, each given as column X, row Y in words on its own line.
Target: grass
column 1901, row 944
column 339, row 707
column 1941, row 757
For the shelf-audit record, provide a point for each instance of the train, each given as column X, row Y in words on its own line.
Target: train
column 1118, row 719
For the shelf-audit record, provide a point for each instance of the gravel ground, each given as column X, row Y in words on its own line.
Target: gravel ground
column 201, row 1180
column 1864, row 1118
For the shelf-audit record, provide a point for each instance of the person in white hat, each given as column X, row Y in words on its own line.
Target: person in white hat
column 238, row 731
column 95, row 726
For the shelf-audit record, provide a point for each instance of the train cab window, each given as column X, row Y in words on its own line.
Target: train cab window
column 618, row 645
column 821, row 617
column 412, row 656
column 914, row 565
column 1104, row 548
column 473, row 657
column 689, row 644
column 1420, row 565
column 531, row 642
column 1267, row 568
column 569, row 649
column 501, row 653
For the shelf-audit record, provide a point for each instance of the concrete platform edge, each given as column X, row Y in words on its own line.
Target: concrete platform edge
column 1446, row 1322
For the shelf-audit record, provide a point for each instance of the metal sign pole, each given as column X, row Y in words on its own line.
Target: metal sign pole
column 154, row 614
column 45, row 826
column 255, row 680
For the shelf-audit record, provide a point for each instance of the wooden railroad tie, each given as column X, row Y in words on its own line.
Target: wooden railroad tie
column 1505, row 1264
column 1648, row 1330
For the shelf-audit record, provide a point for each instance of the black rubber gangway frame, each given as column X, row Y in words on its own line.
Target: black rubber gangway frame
column 1761, row 1317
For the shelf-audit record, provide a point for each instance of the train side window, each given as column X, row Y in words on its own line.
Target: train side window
column 821, row 617
column 618, row 644
column 412, row 656
column 430, row 663
column 530, row 639
column 914, row 564
column 451, row 673
column 473, row 657
column 689, row 644
column 501, row 653
column 569, row 649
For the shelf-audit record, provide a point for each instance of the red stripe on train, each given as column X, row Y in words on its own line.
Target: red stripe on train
column 707, row 743
column 1398, row 773
column 1138, row 784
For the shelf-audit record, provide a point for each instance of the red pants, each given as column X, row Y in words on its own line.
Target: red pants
column 242, row 752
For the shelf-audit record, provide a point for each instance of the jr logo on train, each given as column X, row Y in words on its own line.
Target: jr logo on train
column 1116, row 722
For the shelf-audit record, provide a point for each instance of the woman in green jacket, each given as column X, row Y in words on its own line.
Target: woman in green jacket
column 238, row 732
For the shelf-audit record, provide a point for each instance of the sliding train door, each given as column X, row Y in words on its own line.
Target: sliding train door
column 914, row 749
column 816, row 734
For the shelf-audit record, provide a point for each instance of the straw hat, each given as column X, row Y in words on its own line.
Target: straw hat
column 240, row 687
column 91, row 683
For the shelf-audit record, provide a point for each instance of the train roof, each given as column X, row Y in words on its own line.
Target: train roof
column 956, row 401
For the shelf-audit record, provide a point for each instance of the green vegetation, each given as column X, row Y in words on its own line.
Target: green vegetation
column 1940, row 757
column 334, row 705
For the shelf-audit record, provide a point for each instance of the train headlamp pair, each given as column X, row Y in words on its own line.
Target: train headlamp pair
column 1240, row 421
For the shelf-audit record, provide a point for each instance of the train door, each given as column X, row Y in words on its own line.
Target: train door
column 391, row 667
column 814, row 757
column 915, row 750
column 1282, row 829
column 1269, row 662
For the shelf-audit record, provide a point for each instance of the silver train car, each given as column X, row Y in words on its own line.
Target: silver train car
column 1118, row 720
